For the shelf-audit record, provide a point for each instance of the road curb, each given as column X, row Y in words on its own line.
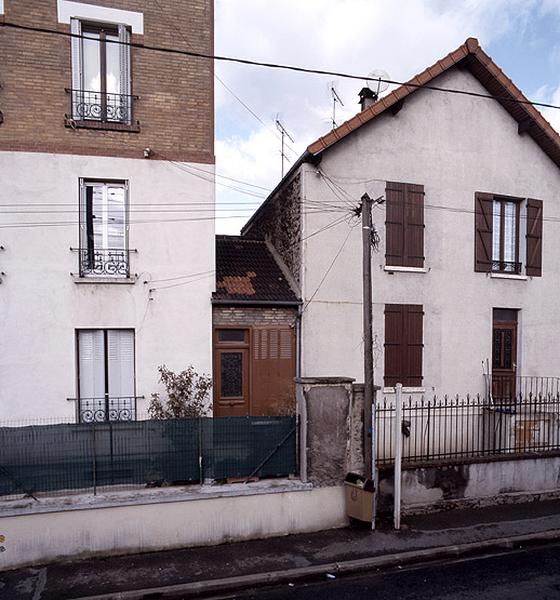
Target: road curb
column 229, row 584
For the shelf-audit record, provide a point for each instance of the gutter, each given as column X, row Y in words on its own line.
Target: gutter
column 226, row 302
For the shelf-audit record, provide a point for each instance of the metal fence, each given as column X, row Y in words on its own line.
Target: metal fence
column 97, row 456
column 454, row 428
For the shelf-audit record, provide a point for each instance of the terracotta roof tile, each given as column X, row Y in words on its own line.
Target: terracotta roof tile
column 246, row 270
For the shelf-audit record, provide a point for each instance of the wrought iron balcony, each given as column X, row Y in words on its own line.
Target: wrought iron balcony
column 105, row 107
column 501, row 266
column 104, row 262
column 107, row 408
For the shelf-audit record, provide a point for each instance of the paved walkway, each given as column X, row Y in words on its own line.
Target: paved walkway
column 101, row 576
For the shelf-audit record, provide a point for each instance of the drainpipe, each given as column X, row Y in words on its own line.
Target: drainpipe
column 300, row 401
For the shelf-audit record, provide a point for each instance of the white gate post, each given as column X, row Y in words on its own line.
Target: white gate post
column 398, row 457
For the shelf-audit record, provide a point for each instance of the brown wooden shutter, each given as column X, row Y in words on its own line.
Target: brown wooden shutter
column 273, row 371
column 395, row 195
column 534, row 237
column 403, row 344
column 404, row 225
column 414, row 315
column 483, row 215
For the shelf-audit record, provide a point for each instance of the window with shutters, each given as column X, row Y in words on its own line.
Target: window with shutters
column 106, row 381
column 404, row 225
column 104, row 229
column 404, row 345
column 101, row 74
column 499, row 225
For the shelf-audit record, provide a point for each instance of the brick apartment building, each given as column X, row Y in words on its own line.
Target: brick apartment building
column 107, row 231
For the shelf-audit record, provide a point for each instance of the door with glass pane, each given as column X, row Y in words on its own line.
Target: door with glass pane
column 231, row 368
column 504, row 354
column 106, row 379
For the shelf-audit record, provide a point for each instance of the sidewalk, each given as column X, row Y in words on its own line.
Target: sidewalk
column 297, row 553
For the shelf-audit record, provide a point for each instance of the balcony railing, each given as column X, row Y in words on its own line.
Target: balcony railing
column 501, row 266
column 89, row 105
column 104, row 262
column 504, row 388
column 107, row 408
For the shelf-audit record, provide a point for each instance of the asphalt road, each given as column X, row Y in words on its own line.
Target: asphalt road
column 531, row 574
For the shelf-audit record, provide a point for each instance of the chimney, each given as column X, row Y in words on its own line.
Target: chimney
column 367, row 98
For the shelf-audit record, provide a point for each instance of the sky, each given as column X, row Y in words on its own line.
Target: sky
column 400, row 37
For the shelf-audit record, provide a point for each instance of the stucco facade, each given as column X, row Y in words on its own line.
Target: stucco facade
column 43, row 302
column 454, row 146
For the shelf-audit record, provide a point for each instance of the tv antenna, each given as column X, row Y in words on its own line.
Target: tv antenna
column 284, row 134
column 335, row 100
column 377, row 81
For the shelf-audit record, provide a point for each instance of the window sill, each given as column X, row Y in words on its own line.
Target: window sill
column 105, row 280
column 389, row 269
column 508, row 276
column 406, row 390
column 100, row 125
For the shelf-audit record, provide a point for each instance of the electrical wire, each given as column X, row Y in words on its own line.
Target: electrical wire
column 329, row 269
column 223, row 83
column 268, row 65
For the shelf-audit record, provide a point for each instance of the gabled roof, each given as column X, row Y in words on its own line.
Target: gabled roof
column 472, row 57
column 247, row 271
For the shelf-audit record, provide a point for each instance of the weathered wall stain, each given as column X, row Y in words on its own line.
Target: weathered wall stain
column 452, row 480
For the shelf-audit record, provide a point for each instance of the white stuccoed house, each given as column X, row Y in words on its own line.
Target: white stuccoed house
column 467, row 273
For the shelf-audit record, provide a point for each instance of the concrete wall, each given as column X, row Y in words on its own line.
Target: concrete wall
column 454, row 146
column 334, row 414
column 472, row 484
column 43, row 537
column 41, row 305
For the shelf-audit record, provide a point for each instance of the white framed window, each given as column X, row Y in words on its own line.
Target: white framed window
column 505, row 236
column 104, row 228
column 106, row 375
column 101, row 73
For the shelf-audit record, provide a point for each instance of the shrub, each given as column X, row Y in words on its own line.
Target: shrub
column 187, row 394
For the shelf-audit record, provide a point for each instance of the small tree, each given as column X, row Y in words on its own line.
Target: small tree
column 187, row 394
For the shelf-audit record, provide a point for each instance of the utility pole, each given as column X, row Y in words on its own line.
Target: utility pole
column 369, row 408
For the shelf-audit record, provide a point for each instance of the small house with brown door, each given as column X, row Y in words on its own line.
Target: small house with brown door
column 466, row 267
column 255, row 320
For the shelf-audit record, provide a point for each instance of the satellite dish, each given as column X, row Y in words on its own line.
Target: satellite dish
column 377, row 81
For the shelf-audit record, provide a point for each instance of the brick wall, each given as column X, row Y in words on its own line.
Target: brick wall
column 279, row 220
column 247, row 316
column 176, row 104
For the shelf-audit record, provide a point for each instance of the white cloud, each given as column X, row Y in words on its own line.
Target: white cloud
column 346, row 35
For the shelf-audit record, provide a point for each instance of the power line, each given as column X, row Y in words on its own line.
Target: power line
column 221, row 81
column 329, row 268
column 268, row 65
column 31, row 225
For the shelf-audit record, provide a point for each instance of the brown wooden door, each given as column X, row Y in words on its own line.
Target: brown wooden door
column 231, row 373
column 504, row 354
column 273, row 371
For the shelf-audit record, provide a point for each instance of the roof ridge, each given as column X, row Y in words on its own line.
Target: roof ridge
column 471, row 47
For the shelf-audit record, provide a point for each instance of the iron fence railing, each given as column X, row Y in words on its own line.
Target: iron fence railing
column 106, row 107
column 454, row 428
column 510, row 387
column 92, row 457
